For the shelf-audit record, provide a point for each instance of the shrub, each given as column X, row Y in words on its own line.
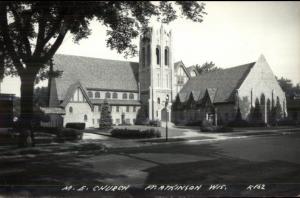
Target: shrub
column 141, row 117
column 216, row 129
column 155, row 123
column 209, row 127
column 69, row 134
column 76, row 125
column 287, row 122
column 135, row 133
column 194, row 123
column 105, row 119
column 238, row 123
column 51, row 130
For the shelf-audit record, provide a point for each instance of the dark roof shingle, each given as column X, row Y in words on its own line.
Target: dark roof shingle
column 221, row 84
column 95, row 73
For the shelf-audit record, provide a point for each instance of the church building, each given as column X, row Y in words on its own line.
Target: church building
column 219, row 95
column 129, row 86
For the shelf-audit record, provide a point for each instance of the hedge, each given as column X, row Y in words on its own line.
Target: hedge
column 76, row 125
column 69, row 134
column 135, row 133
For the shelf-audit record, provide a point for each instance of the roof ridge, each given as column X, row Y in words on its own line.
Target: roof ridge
column 89, row 57
column 226, row 69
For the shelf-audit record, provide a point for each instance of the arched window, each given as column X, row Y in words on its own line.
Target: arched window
column 85, row 118
column 71, row 109
column 158, row 100
column 107, row 95
column 90, row 94
column 148, row 55
column 157, row 51
column 124, row 95
column 115, row 95
column 131, row 96
column 97, row 94
column 143, row 56
column 262, row 99
column 166, row 56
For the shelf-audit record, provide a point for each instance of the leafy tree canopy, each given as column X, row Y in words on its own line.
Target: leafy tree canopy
column 207, row 67
column 31, row 32
column 288, row 87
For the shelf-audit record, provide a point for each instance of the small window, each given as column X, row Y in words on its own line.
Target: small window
column 127, row 109
column 166, row 56
column 93, row 121
column 107, row 95
column 158, row 100
column 131, row 96
column 90, row 94
column 157, row 56
column 134, row 109
column 115, row 95
column 124, row 95
column 117, row 109
column 85, row 118
column 97, row 94
column 98, row 121
column 99, row 108
column 71, row 109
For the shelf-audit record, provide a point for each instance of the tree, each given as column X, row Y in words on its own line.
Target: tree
column 288, row 87
column 255, row 113
column 141, row 116
column 32, row 32
column 105, row 119
column 40, row 96
column 276, row 113
column 207, row 67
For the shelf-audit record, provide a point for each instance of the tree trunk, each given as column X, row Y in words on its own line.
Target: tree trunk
column 25, row 126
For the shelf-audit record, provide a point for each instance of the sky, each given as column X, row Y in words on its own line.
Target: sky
column 232, row 33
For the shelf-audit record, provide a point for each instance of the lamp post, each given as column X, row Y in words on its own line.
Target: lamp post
column 166, row 105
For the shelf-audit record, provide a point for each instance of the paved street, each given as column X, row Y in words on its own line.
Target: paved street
column 241, row 160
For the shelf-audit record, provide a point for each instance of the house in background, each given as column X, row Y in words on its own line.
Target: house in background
column 293, row 107
column 217, row 96
column 6, row 110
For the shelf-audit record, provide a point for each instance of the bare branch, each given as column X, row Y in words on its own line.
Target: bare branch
column 56, row 44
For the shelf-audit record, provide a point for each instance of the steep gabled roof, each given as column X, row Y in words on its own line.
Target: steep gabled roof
column 95, row 73
column 192, row 68
column 71, row 91
column 181, row 64
column 212, row 93
column 220, row 84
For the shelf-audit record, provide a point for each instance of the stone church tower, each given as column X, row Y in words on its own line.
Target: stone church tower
column 156, row 72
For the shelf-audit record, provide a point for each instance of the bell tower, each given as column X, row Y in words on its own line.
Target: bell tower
column 156, row 72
